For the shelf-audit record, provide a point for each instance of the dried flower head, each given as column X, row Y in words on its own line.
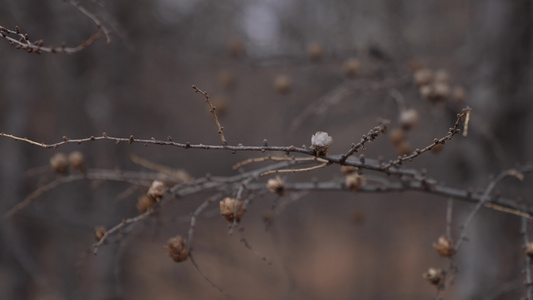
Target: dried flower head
column 423, row 77
column 444, row 246
column 315, row 51
column 283, row 84
column 157, row 190
column 320, row 142
column 59, row 163
column 144, row 203
column 434, row 276
column 177, row 249
column 99, row 232
column 227, row 209
column 427, row 92
column 77, row 161
column 276, row 185
column 529, row 249
column 408, row 118
column 351, row 67
column 354, row 181
column 348, row 169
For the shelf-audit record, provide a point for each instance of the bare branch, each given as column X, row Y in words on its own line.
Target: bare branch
column 212, row 111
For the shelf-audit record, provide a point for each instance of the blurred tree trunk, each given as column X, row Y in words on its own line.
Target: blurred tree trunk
column 501, row 60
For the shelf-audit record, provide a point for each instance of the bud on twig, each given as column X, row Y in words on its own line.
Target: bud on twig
column 444, row 246
column 276, row 185
column 434, row 276
column 320, row 142
column 177, row 249
column 227, row 209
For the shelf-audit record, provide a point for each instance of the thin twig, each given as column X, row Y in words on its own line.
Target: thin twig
column 369, row 137
column 93, row 18
column 451, row 132
column 249, row 247
column 193, row 261
column 296, row 170
column 449, row 212
column 212, row 111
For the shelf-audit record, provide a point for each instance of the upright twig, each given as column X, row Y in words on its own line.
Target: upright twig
column 212, row 109
column 369, row 137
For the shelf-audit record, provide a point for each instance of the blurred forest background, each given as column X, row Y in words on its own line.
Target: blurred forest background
column 324, row 246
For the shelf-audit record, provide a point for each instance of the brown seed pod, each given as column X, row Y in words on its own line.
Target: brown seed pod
column 423, row 77
column 236, row 48
column 283, row 84
column 354, row 181
column 434, row 276
column 177, row 249
column 227, row 209
column 427, row 92
column 348, row 169
column 157, row 190
column 351, row 67
column 458, row 94
column 77, row 161
column 59, row 163
column 226, row 79
column 441, row 91
column 444, row 246
column 315, row 52
column 529, row 249
column 99, row 232
column 276, row 185
column 144, row 203
column 408, row 118
column 404, row 148
column 396, row 136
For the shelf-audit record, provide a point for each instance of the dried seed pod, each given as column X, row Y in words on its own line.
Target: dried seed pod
column 226, row 79
column 177, row 249
column 458, row 94
column 320, row 142
column 441, row 76
column 423, row 77
column 396, row 136
column 276, row 185
column 441, row 91
column 354, row 181
column 77, row 161
column 99, row 232
column 434, row 276
column 529, row 249
column 408, row 118
column 144, row 203
column 59, row 163
column 427, row 92
column 236, row 48
column 157, row 190
column 444, row 246
column 283, row 84
column 348, row 169
column 315, row 51
column 351, row 67
column 404, row 148
column 227, row 209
